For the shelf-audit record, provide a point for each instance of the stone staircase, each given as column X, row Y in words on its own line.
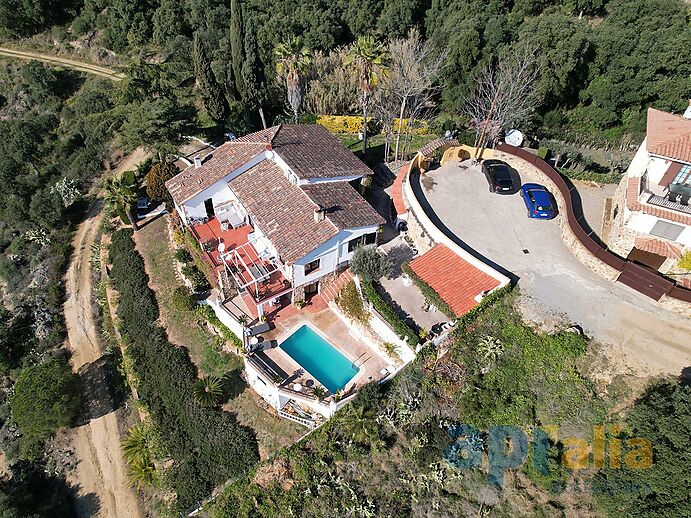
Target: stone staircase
column 333, row 289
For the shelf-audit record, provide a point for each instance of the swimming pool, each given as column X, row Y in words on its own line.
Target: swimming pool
column 319, row 358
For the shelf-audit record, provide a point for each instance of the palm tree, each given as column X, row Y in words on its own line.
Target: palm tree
column 368, row 59
column 208, row 390
column 122, row 197
column 142, row 473
column 135, row 446
column 293, row 60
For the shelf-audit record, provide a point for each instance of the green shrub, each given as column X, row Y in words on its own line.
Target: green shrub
column 183, row 300
column 350, row 302
column 207, row 445
column 429, row 293
column 397, row 323
column 199, row 281
column 685, row 261
column 46, row 398
column 543, row 152
column 370, row 264
column 182, row 255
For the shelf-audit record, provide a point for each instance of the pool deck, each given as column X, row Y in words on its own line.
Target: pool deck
column 337, row 333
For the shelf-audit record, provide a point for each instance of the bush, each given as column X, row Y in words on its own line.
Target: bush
column 156, row 178
column 207, row 445
column 353, row 124
column 350, row 302
column 543, row 152
column 396, row 322
column 199, row 281
column 183, row 300
column 208, row 313
column 46, row 398
column 183, row 256
column 370, row 264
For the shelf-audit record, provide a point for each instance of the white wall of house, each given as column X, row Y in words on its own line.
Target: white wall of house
column 644, row 223
column 331, row 254
column 657, row 167
column 639, row 163
column 218, row 192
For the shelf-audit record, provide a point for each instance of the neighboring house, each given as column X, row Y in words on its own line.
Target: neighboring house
column 652, row 217
column 276, row 213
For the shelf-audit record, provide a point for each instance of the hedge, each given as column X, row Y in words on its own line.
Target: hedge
column 400, row 327
column 207, row 445
column 429, row 293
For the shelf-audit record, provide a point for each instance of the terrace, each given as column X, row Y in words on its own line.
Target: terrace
column 256, row 273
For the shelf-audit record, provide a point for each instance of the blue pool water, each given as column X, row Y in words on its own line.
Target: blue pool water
column 319, row 358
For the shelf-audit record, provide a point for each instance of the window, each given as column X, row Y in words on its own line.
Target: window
column 667, row 230
column 367, row 239
column 312, row 266
column 683, row 176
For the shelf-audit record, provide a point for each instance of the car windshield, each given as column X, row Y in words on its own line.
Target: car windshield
column 541, row 200
column 501, row 175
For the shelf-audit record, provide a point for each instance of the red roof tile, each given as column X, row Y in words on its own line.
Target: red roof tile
column 658, row 246
column 455, row 280
column 668, row 135
column 397, row 191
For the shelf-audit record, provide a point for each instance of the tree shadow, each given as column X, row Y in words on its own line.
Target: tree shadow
column 86, row 505
column 102, row 389
column 233, row 385
column 398, row 255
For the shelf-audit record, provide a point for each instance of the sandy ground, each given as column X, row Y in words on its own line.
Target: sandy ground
column 100, row 477
column 81, row 66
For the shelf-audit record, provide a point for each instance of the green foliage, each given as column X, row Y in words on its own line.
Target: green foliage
column 121, row 195
column 662, row 415
column 46, row 398
column 543, row 152
column 212, row 96
column 183, row 300
column 31, row 492
column 208, row 390
column 428, row 292
column 207, row 445
column 397, row 323
column 208, row 313
column 199, row 281
column 350, row 302
column 182, row 255
column 370, row 264
column 237, row 45
column 685, row 261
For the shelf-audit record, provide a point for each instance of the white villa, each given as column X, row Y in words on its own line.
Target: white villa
column 652, row 219
column 276, row 213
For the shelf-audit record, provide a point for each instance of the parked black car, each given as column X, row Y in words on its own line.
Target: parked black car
column 498, row 177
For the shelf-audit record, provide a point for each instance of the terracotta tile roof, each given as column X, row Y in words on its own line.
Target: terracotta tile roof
column 456, row 281
column 397, row 191
column 260, row 137
column 658, row 246
column 668, row 135
column 282, row 211
column 222, row 161
column 344, row 206
column 312, row 152
column 632, row 203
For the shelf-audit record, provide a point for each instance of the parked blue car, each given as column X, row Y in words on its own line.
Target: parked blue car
column 538, row 201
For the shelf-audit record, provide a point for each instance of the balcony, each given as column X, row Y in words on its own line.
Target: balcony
column 255, row 273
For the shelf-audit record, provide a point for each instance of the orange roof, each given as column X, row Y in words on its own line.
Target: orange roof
column 658, row 246
column 455, row 280
column 668, row 135
column 397, row 191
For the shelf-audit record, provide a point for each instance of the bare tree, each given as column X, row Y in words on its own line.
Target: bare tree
column 414, row 68
column 504, row 95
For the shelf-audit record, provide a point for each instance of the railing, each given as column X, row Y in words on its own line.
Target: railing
column 309, row 423
column 645, row 278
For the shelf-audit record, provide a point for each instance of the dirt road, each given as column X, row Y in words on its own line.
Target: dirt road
column 100, row 475
column 64, row 62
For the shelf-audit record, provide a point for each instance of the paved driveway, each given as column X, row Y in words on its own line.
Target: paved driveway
column 554, row 284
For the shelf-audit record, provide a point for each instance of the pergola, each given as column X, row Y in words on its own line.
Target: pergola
column 244, row 258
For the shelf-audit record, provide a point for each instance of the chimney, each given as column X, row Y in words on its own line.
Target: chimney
column 319, row 214
column 687, row 113
column 197, row 162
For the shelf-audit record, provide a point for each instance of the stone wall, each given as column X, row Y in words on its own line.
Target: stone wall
column 621, row 239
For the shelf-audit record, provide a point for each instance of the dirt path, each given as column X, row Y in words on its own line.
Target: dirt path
column 100, row 476
column 68, row 63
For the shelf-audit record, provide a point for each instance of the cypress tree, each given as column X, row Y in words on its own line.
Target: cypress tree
column 212, row 96
column 236, row 45
column 253, row 73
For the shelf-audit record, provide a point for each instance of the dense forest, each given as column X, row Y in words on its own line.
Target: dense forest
column 601, row 63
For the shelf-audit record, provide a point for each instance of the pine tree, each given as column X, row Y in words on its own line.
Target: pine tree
column 212, row 96
column 236, row 45
column 253, row 73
